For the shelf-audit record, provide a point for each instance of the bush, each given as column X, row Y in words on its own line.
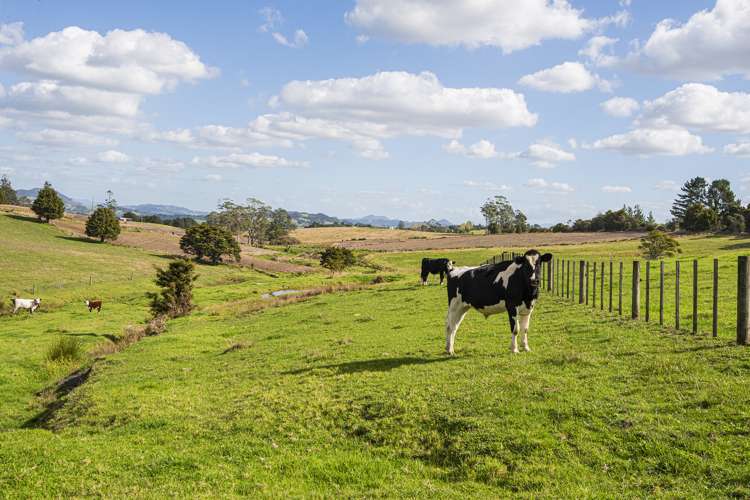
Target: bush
column 48, row 205
column 658, row 244
column 65, row 349
column 103, row 224
column 211, row 242
column 176, row 296
column 337, row 258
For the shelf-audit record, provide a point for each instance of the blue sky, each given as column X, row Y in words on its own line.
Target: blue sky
column 412, row 109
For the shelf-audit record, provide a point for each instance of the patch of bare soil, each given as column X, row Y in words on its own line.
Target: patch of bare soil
column 529, row 240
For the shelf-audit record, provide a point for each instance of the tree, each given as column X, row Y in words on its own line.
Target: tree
column 279, row 227
column 211, row 242
column 259, row 219
column 693, row 192
column 401, row 225
column 699, row 218
column 499, row 215
column 110, row 201
column 103, row 224
column 231, row 216
column 48, row 205
column 8, row 195
column 337, row 258
column 658, row 244
column 176, row 295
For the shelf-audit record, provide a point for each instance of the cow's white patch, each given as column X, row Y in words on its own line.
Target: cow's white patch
column 505, row 275
column 458, row 271
column 493, row 309
column 457, row 309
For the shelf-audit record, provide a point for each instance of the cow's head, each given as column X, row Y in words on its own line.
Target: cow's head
column 86, row 302
column 37, row 301
column 450, row 265
column 531, row 266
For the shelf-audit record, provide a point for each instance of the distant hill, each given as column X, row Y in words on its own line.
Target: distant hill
column 166, row 210
column 380, row 221
column 305, row 219
column 71, row 205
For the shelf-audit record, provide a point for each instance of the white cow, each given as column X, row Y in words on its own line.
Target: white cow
column 30, row 304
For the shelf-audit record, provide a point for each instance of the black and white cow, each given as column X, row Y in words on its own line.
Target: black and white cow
column 511, row 286
column 435, row 266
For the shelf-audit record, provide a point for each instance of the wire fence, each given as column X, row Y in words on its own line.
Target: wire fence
column 700, row 296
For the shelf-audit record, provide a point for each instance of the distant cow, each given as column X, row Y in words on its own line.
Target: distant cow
column 435, row 266
column 30, row 304
column 94, row 304
column 511, row 286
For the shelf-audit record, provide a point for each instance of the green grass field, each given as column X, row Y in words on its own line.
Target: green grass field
column 349, row 394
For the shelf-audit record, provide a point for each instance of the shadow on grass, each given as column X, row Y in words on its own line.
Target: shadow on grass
column 24, row 218
column 371, row 365
column 707, row 347
column 56, row 399
column 107, row 336
column 80, row 239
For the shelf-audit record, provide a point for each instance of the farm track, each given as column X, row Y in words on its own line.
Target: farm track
column 528, row 240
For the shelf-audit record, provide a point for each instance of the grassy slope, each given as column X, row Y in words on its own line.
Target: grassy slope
column 349, row 394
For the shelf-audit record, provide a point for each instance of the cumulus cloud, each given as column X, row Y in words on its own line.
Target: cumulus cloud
column 506, row 24
column 542, row 184
column 11, row 34
column 565, row 78
column 112, row 156
column 710, row 45
column 616, row 189
column 253, row 160
column 546, row 154
column 598, row 50
column 654, row 141
column 483, row 149
column 64, row 138
column 741, row 149
column 620, row 107
column 702, row 107
column 133, row 61
column 48, row 95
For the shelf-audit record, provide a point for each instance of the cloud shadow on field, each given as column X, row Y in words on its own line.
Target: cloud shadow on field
column 371, row 365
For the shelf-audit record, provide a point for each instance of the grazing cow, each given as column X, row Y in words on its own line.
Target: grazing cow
column 94, row 304
column 511, row 286
column 30, row 304
column 435, row 266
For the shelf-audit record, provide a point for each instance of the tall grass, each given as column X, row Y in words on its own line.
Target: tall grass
column 65, row 349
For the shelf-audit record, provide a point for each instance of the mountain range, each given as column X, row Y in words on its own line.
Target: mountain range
column 302, row 219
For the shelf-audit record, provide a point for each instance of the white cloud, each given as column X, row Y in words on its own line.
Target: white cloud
column 271, row 19
column 134, row 61
column 48, row 95
column 542, row 184
column 362, row 39
column 486, row 185
column 213, row 178
column 546, row 154
column 565, row 78
column 112, row 156
column 573, row 143
column 300, row 39
column 616, row 189
column 254, row 160
column 64, row 138
column 599, row 51
column 506, row 24
column 741, row 149
column 701, row 107
column 483, row 149
column 11, row 34
column 710, row 45
column 667, row 185
column 620, row 107
column 650, row 141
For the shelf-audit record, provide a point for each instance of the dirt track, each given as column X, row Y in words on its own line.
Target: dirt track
column 529, row 240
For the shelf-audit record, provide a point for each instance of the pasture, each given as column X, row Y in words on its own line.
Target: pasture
column 349, row 393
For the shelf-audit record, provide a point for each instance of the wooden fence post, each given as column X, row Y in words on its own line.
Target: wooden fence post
column 743, row 301
column 593, row 295
column 601, row 302
column 587, row 282
column 549, row 276
column 581, row 284
column 619, row 301
column 635, row 301
column 695, row 296
column 715, row 319
column 677, row 296
column 648, row 290
column 661, row 293
column 610, row 286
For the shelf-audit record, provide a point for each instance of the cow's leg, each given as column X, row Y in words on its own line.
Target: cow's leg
column 15, row 309
column 442, row 276
column 525, row 319
column 513, row 316
column 456, row 312
column 424, row 279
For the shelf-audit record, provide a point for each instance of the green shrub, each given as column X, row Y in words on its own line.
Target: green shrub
column 65, row 349
column 211, row 242
column 658, row 244
column 337, row 258
column 176, row 296
column 103, row 224
column 48, row 205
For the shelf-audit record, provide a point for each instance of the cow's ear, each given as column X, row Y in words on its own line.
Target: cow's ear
column 546, row 257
